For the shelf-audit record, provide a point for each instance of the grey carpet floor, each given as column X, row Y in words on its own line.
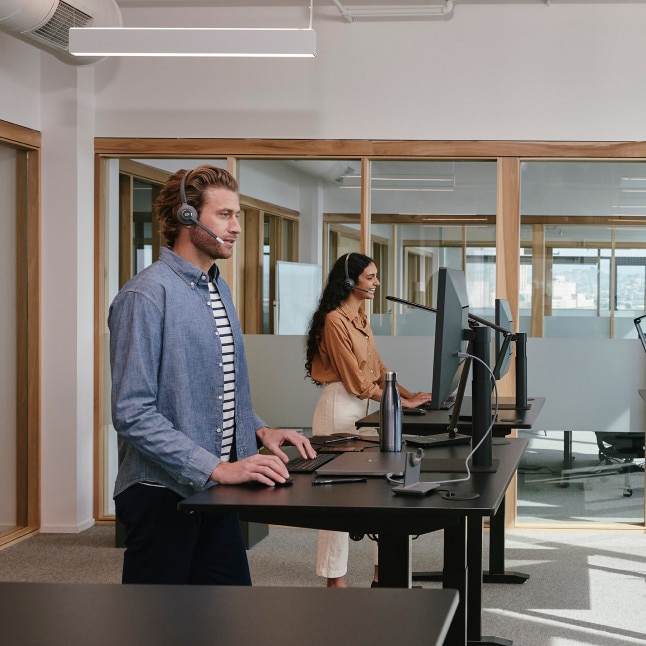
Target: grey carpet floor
column 585, row 588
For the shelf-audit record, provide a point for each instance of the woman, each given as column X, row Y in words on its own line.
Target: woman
column 342, row 356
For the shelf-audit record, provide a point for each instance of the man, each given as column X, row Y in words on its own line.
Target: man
column 181, row 402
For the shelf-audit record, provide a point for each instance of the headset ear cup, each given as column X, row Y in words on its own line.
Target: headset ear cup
column 348, row 282
column 186, row 214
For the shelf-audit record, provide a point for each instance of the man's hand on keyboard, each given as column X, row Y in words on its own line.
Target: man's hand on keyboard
column 273, row 438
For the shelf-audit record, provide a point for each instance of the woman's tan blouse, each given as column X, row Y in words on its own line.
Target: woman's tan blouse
column 347, row 353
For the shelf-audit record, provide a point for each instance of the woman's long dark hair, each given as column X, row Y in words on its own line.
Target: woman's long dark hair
column 336, row 291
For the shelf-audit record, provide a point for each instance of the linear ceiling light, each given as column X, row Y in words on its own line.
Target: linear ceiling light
column 173, row 41
column 394, row 11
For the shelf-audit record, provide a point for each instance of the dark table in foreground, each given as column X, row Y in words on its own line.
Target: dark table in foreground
column 72, row 614
column 372, row 508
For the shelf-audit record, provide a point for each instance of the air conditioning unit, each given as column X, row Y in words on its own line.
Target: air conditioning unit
column 46, row 23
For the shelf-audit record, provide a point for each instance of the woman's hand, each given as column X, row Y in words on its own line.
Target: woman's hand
column 416, row 400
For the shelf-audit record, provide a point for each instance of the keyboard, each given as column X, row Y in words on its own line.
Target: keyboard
column 309, row 465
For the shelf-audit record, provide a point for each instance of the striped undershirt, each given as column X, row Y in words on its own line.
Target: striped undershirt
column 226, row 339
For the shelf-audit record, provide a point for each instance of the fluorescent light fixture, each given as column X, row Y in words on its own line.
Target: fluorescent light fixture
column 401, row 183
column 174, row 41
column 394, row 10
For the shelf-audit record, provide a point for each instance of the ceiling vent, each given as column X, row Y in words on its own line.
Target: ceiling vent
column 46, row 23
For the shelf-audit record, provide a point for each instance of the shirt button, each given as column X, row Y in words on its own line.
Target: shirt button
column 218, row 430
column 219, row 396
column 192, row 284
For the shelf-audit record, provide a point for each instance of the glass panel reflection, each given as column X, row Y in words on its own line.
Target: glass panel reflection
column 433, row 214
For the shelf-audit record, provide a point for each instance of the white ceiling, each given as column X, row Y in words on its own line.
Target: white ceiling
column 319, row 3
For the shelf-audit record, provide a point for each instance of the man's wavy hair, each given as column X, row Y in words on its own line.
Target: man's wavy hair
column 197, row 181
column 334, row 293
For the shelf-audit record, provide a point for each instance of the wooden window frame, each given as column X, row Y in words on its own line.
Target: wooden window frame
column 507, row 154
column 27, row 144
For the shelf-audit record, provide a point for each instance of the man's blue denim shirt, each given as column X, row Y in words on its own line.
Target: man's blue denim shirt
column 167, row 382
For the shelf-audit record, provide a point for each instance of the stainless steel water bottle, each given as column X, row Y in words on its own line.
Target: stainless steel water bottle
column 390, row 416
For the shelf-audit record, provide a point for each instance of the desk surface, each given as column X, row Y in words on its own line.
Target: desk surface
column 35, row 614
column 368, row 507
column 372, row 508
column 437, row 421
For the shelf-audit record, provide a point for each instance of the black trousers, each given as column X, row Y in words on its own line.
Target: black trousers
column 164, row 545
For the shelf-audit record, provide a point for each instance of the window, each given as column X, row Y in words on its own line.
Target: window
column 561, row 238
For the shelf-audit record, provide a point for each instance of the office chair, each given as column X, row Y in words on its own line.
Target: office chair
column 622, row 449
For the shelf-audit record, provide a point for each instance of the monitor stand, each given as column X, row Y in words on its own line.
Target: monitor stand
column 481, row 428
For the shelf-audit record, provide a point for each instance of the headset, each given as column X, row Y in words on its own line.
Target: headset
column 186, row 214
column 348, row 282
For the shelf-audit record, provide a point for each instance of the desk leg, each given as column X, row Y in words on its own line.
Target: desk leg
column 568, row 458
column 474, row 587
column 454, row 576
column 394, row 561
column 497, row 573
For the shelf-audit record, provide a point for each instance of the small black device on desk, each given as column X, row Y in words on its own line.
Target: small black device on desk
column 332, row 481
column 413, row 411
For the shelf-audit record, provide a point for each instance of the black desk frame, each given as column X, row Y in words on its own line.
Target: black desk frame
column 436, row 421
column 371, row 508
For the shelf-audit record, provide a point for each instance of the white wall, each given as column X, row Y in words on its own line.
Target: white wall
column 531, row 71
column 67, row 297
column 525, row 72
column 19, row 82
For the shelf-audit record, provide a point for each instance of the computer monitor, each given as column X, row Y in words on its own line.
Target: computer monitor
column 503, row 342
column 451, row 322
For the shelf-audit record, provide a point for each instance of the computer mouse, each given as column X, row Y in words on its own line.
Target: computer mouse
column 413, row 411
column 289, row 481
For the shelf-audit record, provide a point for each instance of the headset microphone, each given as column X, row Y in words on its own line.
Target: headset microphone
column 367, row 291
column 217, row 237
column 187, row 215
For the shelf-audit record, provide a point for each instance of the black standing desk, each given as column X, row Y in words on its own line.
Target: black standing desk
column 73, row 614
column 437, row 421
column 372, row 508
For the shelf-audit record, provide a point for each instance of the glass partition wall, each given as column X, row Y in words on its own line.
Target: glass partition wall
column 584, row 234
column 562, row 240
column 19, row 332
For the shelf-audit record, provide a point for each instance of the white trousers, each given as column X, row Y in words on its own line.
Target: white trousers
column 336, row 412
